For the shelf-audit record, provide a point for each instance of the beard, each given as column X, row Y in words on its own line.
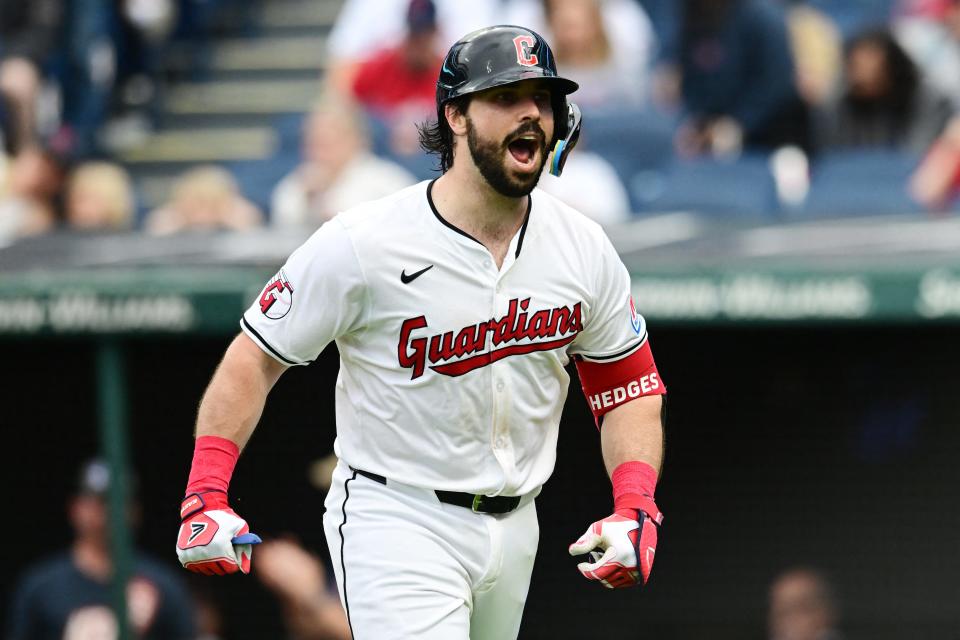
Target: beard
column 489, row 158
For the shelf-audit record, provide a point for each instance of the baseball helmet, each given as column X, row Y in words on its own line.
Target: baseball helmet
column 502, row 55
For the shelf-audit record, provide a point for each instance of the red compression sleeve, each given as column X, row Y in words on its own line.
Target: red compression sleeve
column 213, row 461
column 634, row 484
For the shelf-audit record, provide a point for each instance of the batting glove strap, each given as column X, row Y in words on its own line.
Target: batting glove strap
column 638, row 502
column 197, row 502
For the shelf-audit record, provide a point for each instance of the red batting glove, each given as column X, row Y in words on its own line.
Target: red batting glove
column 628, row 540
column 213, row 539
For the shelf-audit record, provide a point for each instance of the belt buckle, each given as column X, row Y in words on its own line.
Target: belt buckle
column 477, row 503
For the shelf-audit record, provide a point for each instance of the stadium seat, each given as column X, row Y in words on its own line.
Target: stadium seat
column 289, row 129
column 860, row 183
column 629, row 140
column 421, row 165
column 741, row 189
column 257, row 178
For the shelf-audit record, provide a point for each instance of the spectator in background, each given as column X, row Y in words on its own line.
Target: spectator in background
column 365, row 26
column 68, row 596
column 99, row 197
column 606, row 46
column 737, row 79
column 403, row 77
column 338, row 170
column 28, row 34
column 204, row 199
column 817, row 46
column 141, row 33
column 802, row 607
column 297, row 577
column 884, row 102
column 29, row 197
column 936, row 182
column 929, row 30
column 398, row 85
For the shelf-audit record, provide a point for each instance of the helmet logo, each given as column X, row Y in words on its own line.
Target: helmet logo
column 524, row 45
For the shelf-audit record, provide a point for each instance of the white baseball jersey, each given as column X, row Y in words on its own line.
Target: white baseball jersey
column 451, row 370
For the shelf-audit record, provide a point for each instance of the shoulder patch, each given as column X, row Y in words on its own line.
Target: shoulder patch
column 636, row 322
column 277, row 297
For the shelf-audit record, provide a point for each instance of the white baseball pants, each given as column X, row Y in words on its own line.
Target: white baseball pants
column 413, row 568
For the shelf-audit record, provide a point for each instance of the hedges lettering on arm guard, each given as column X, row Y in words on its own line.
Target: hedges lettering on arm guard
column 607, row 385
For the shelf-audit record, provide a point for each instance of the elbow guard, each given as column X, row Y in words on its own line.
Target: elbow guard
column 607, row 385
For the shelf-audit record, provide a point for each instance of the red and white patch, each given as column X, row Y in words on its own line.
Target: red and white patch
column 277, row 297
column 524, row 45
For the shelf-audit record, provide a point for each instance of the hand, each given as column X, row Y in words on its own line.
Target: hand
column 213, row 540
column 628, row 539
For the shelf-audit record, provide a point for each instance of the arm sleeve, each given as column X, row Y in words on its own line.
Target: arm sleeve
column 319, row 295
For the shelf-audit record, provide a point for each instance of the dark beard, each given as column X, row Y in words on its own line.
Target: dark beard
column 488, row 157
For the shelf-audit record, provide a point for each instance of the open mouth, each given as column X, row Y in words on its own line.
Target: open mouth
column 524, row 149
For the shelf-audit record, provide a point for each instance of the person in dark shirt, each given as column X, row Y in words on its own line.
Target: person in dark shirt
column 737, row 78
column 67, row 597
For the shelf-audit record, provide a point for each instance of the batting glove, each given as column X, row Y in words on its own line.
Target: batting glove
column 628, row 542
column 213, row 540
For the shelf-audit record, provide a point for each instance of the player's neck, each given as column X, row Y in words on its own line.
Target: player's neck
column 467, row 201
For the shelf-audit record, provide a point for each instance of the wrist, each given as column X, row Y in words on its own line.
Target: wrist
column 634, row 484
column 214, row 459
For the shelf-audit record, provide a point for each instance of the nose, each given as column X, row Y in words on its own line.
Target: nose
column 528, row 109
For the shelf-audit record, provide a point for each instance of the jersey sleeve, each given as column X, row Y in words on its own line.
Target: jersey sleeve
column 613, row 329
column 319, row 295
column 612, row 353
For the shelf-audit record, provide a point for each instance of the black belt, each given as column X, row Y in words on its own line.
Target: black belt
column 474, row 501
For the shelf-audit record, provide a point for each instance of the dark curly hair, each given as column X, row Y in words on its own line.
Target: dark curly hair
column 903, row 76
column 437, row 138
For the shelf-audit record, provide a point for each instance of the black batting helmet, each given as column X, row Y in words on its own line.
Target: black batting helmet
column 500, row 55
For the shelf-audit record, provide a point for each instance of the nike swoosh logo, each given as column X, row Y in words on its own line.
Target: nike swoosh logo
column 407, row 279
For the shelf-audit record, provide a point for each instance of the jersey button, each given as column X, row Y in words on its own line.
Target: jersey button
column 487, row 264
column 501, row 443
column 500, row 385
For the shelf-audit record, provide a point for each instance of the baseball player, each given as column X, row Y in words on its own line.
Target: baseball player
column 455, row 305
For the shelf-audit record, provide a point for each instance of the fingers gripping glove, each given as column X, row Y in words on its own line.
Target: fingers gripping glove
column 213, row 539
column 623, row 545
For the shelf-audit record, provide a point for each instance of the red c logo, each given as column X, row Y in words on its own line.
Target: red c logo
column 524, row 44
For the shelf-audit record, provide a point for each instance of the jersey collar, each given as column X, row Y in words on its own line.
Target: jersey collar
column 446, row 223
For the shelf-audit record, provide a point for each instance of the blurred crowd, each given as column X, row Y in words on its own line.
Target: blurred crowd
column 68, row 595
column 767, row 110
